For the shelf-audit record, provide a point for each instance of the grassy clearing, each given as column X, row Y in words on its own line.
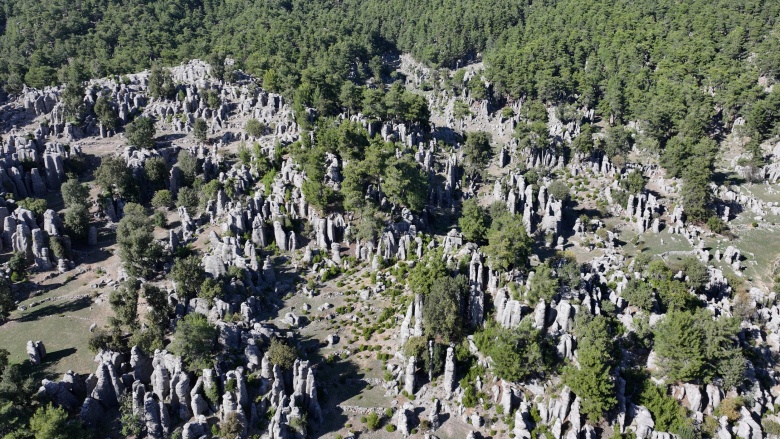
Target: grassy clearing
column 763, row 192
column 62, row 325
column 760, row 252
column 65, row 338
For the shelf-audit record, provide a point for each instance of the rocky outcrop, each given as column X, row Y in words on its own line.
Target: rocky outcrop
column 409, row 375
column 403, row 419
column 36, row 351
column 449, row 371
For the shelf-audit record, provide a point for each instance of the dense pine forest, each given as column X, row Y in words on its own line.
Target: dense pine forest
column 629, row 59
column 283, row 219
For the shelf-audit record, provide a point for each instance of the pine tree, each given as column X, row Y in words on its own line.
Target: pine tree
column 473, row 222
column 591, row 379
column 679, row 345
column 592, row 382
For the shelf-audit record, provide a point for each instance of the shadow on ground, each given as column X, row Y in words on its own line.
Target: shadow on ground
column 339, row 381
column 54, row 308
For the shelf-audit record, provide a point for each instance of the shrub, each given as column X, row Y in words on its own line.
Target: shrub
column 104, row 340
column 230, row 385
column 516, row 353
column 18, row 266
column 667, row 412
column 130, row 422
column 730, row 408
column 59, row 250
column 159, row 220
column 162, row 199
column 194, row 340
column 200, row 130
column 282, row 354
column 212, row 394
column 231, row 426
column 49, row 422
column 161, row 84
column 559, row 190
column 211, row 97
column 36, row 205
column 106, row 114
column 141, row 132
column 254, row 128
column 299, row 424
column 210, row 290
column 188, row 197
column 716, row 225
column 372, row 421
column 771, row 427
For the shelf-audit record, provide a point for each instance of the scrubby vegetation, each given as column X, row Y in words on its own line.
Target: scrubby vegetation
column 547, row 212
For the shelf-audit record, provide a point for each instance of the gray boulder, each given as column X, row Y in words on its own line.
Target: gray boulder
column 59, row 394
column 36, row 351
column 196, row 428
column 91, row 412
column 106, row 387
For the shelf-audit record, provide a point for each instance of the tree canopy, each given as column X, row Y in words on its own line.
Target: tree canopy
column 137, row 247
column 426, row 272
column 649, row 61
column 140, row 132
column 442, row 315
column 189, row 275
column 194, row 341
column 476, row 153
column 474, row 221
column 590, row 379
column 517, row 353
column 51, row 422
column 695, row 346
column 508, row 242
column 114, row 177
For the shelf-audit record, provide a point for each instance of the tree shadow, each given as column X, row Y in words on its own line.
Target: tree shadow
column 49, row 287
column 543, row 251
column 86, row 254
column 167, row 140
column 446, row 134
column 589, row 212
column 443, row 220
column 720, row 177
column 656, row 194
column 36, row 372
column 273, row 306
column 575, row 212
column 26, row 290
column 310, row 346
column 15, row 117
column 338, row 382
column 618, row 242
column 48, row 309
